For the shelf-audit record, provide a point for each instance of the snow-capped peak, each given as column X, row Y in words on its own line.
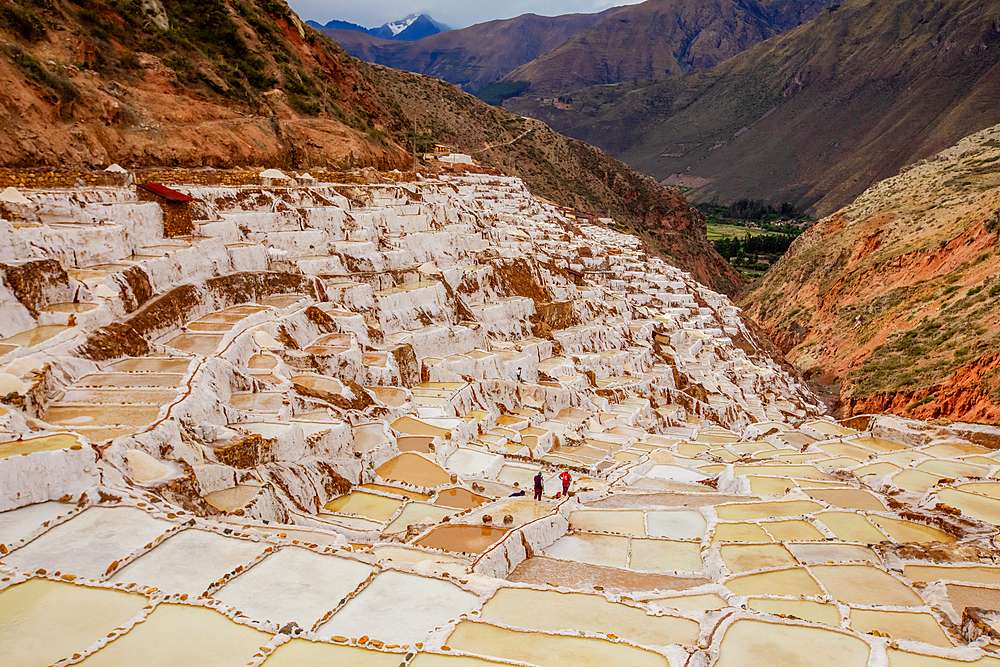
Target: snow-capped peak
column 399, row 26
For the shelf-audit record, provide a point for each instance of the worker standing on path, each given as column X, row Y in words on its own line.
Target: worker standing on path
column 538, row 485
column 566, row 479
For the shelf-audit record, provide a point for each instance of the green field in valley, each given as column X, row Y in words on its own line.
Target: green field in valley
column 717, row 231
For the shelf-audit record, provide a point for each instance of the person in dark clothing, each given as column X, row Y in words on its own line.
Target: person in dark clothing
column 538, row 485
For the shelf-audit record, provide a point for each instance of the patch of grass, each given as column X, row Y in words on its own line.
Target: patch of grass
column 22, row 22
column 916, row 404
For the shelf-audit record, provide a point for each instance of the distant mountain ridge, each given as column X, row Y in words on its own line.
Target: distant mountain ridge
column 813, row 116
column 474, row 57
column 408, row 29
column 661, row 39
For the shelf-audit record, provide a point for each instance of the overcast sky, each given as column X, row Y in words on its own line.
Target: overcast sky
column 455, row 13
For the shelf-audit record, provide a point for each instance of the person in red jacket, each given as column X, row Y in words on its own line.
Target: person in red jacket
column 538, row 485
column 566, row 479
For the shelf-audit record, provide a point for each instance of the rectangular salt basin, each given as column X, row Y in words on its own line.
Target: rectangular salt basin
column 628, row 522
column 905, row 659
column 553, row 611
column 851, row 527
column 817, row 612
column 414, row 513
column 44, row 621
column 18, row 524
column 400, row 608
column 916, row 626
column 746, row 557
column 794, row 529
column 650, row 555
column 678, row 525
column 101, row 415
column 751, row 511
column 45, row 443
column 749, row 643
column 293, row 585
column 189, row 562
column 373, row 506
column 864, row 584
column 175, row 635
column 303, row 653
column 976, row 574
column 548, row 650
column 90, row 542
column 793, row 581
column 588, row 548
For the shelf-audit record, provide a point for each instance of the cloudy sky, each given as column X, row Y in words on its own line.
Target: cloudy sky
column 455, row 13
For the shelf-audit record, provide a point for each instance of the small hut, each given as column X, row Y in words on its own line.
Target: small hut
column 176, row 208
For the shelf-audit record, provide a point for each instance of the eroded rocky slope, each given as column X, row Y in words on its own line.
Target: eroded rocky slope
column 893, row 303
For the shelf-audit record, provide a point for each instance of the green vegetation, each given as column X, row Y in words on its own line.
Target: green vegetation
column 751, row 233
column 781, row 218
column 496, row 93
column 22, row 22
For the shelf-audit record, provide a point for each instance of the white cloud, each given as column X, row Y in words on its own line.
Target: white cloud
column 456, row 13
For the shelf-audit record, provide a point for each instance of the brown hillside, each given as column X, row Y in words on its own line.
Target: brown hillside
column 661, row 39
column 225, row 84
column 472, row 57
column 893, row 303
column 813, row 116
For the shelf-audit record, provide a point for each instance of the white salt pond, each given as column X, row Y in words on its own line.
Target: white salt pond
column 189, row 562
column 400, row 608
column 90, row 542
column 293, row 585
column 18, row 524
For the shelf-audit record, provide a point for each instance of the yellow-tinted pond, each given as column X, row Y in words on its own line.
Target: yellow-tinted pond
column 976, row 574
column 650, row 555
column 548, row 650
column 552, row 611
column 462, row 539
column 415, row 469
column 850, row 499
column 740, row 532
column 851, row 527
column 864, row 584
column 303, row 653
column 370, row 505
column 899, row 658
column 745, row 557
column 43, row 621
column 909, row 531
column 45, row 443
column 410, row 426
column 749, row 643
column 631, row 522
column 181, row 635
column 416, row 513
column 807, row 610
column 974, row 505
column 35, row 336
column 414, row 443
column 917, row 626
column 407, row 493
column 232, row 498
column 751, row 511
column 794, row 582
column 792, row 530
column 705, row 602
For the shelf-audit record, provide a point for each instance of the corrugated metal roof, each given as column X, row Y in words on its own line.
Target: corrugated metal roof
column 165, row 192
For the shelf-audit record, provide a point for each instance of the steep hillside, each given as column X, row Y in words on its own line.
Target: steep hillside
column 661, row 39
column 225, row 84
column 813, row 116
column 473, row 57
column 893, row 303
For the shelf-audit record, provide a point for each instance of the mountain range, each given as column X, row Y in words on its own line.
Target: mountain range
column 473, row 57
column 408, row 29
column 813, row 116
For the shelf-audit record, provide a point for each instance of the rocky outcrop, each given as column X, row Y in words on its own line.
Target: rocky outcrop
column 893, row 303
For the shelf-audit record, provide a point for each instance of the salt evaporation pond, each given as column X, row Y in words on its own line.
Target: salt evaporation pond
column 462, row 539
column 399, row 608
column 415, row 469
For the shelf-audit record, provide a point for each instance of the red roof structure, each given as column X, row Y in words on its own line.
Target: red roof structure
column 165, row 192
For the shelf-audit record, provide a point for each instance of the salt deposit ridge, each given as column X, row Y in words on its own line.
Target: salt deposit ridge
column 299, row 436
